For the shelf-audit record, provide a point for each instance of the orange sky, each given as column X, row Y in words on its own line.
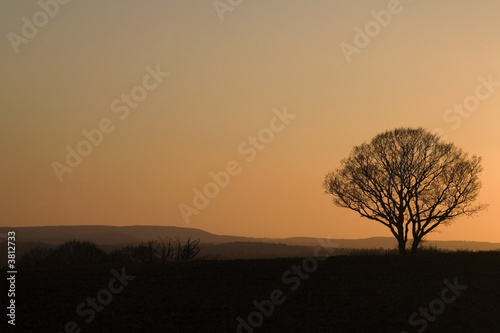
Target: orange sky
column 227, row 79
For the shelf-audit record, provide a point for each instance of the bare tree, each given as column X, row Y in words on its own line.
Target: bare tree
column 165, row 250
column 407, row 179
column 151, row 250
column 186, row 252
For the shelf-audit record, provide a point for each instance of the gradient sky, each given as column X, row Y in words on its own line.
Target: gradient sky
column 225, row 79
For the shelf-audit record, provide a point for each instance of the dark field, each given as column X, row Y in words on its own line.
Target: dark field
column 342, row 294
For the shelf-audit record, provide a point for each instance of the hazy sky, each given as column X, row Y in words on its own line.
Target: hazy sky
column 232, row 69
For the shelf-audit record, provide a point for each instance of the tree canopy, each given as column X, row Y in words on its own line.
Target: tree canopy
column 409, row 180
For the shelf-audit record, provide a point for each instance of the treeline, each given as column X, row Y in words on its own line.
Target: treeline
column 78, row 252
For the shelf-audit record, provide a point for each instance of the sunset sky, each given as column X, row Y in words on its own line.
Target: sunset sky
column 178, row 87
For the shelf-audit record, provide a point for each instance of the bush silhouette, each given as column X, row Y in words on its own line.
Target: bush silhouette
column 38, row 256
column 164, row 250
column 77, row 253
column 130, row 253
column 74, row 253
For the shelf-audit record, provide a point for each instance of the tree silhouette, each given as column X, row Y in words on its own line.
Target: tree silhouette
column 77, row 252
column 164, row 250
column 73, row 253
column 407, row 179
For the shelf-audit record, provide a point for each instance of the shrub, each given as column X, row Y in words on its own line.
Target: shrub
column 77, row 253
column 164, row 250
column 38, row 256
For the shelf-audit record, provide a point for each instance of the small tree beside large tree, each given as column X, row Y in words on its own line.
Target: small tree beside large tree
column 410, row 181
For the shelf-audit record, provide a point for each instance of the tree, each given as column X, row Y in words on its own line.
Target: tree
column 407, row 179
column 37, row 256
column 164, row 250
column 77, row 252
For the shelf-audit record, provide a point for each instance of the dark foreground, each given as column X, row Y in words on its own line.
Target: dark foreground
column 342, row 294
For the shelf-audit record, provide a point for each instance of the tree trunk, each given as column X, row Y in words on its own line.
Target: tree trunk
column 415, row 244
column 402, row 246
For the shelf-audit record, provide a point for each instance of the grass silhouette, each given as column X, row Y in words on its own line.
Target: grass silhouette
column 366, row 292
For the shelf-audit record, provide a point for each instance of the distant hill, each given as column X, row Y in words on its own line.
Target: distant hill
column 215, row 246
column 112, row 235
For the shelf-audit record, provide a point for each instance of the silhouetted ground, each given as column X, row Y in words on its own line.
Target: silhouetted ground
column 344, row 294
